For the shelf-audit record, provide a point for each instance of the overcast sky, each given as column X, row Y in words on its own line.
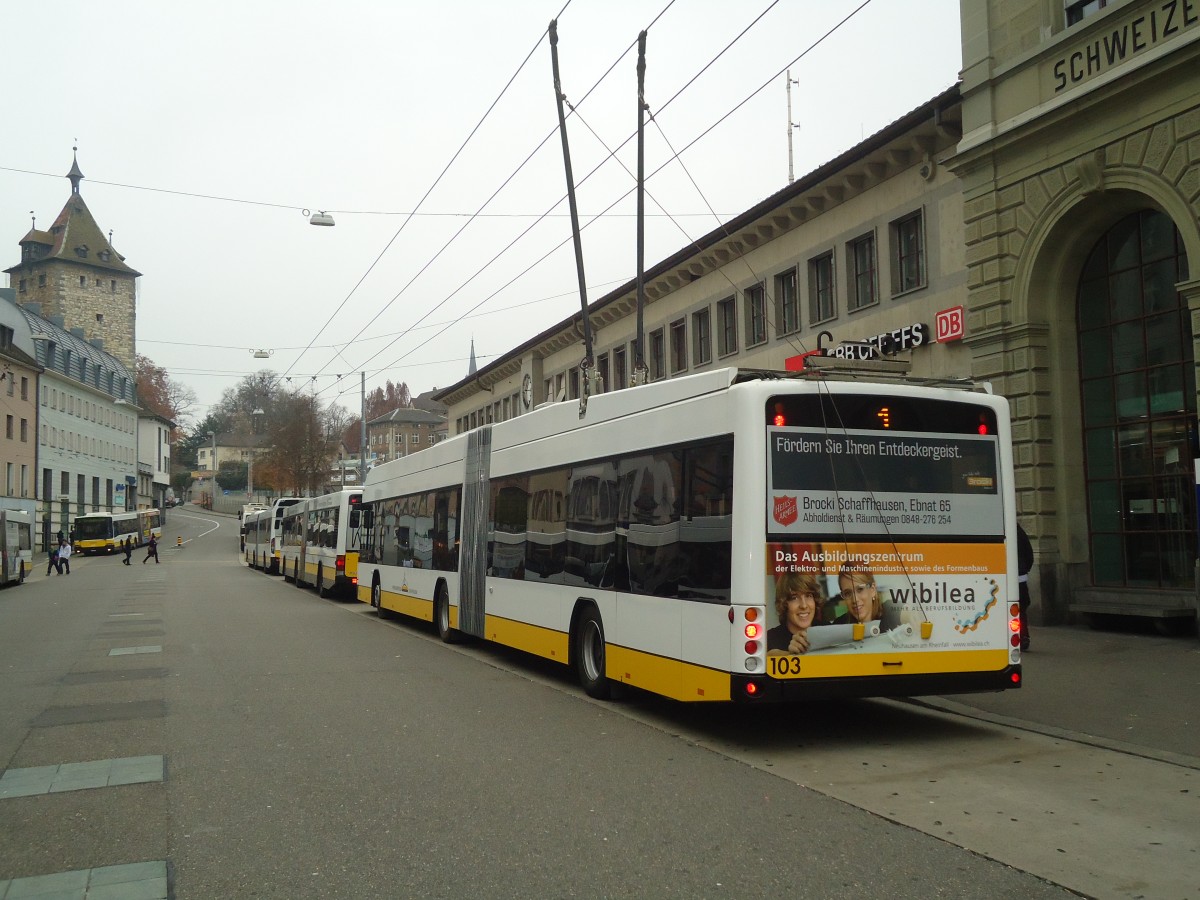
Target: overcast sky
column 357, row 107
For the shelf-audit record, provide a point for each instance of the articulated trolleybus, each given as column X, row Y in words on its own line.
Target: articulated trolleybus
column 319, row 542
column 732, row 535
column 103, row 532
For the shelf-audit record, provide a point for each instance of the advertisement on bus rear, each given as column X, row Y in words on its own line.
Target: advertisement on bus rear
column 885, row 550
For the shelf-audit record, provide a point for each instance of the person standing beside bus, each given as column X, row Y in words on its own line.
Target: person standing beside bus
column 151, row 550
column 64, row 557
column 1024, row 565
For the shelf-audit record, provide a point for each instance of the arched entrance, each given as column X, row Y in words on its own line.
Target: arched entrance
column 1138, row 403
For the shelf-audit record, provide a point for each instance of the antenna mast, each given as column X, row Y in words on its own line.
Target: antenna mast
column 790, row 82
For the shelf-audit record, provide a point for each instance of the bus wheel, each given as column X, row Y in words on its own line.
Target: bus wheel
column 322, row 591
column 296, row 574
column 441, row 617
column 589, row 655
column 21, row 576
column 377, row 599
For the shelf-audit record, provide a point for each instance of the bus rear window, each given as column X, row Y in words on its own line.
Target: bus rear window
column 871, row 412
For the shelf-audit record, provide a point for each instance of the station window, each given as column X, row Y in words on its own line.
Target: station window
column 821, row 305
column 756, row 315
column 727, row 341
column 702, row 337
column 908, row 253
column 787, row 304
column 860, row 259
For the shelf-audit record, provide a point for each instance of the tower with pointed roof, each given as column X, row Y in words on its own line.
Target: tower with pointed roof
column 72, row 276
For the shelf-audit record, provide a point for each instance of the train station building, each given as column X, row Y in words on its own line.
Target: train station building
column 1030, row 227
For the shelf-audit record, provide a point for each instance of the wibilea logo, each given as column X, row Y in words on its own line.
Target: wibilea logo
column 785, row 511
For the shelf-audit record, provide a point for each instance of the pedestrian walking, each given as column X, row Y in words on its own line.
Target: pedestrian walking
column 128, row 548
column 151, row 550
column 64, row 557
column 52, row 562
column 1024, row 565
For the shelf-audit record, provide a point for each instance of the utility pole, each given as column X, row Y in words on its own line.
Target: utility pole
column 640, row 371
column 362, row 437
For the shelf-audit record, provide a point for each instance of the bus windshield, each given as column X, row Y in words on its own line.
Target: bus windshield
column 90, row 529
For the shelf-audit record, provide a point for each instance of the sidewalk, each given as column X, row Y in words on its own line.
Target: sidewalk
column 1133, row 690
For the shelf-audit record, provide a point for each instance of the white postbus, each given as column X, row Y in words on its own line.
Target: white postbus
column 16, row 546
column 320, row 543
column 731, row 535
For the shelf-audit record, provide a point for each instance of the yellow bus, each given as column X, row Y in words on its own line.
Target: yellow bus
column 319, row 541
column 104, row 532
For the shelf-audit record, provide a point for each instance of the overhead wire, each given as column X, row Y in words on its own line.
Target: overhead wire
column 529, row 228
column 429, row 191
column 612, row 153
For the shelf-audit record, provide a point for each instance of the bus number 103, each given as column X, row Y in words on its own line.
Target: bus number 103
column 783, row 666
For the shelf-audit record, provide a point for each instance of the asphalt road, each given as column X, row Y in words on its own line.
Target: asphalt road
column 312, row 750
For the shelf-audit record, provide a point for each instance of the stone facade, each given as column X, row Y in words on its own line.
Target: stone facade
column 71, row 273
column 102, row 305
column 1067, row 130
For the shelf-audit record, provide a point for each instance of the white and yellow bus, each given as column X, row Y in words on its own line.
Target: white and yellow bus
column 16, row 546
column 104, row 532
column 149, row 525
column 262, row 548
column 645, row 541
column 320, row 543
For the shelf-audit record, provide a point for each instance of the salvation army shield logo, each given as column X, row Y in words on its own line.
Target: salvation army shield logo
column 785, row 511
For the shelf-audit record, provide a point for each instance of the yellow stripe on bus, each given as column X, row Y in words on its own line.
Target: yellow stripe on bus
column 905, row 663
column 406, row 605
column 669, row 677
column 672, row 678
column 544, row 642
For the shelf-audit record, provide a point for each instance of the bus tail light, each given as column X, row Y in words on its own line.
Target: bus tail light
column 340, row 565
column 753, row 629
column 751, row 689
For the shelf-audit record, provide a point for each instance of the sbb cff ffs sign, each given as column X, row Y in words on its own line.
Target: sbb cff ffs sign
column 951, row 325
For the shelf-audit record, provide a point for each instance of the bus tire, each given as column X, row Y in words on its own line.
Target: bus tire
column 589, row 654
column 322, row 591
column 441, row 616
column 377, row 599
column 296, row 575
column 21, row 574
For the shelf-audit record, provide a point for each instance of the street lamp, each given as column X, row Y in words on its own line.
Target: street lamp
column 253, row 449
column 212, row 493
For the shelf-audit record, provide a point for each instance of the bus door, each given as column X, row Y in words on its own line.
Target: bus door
column 473, row 554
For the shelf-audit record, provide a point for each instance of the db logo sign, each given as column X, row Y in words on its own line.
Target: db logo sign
column 951, row 325
column 785, row 510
